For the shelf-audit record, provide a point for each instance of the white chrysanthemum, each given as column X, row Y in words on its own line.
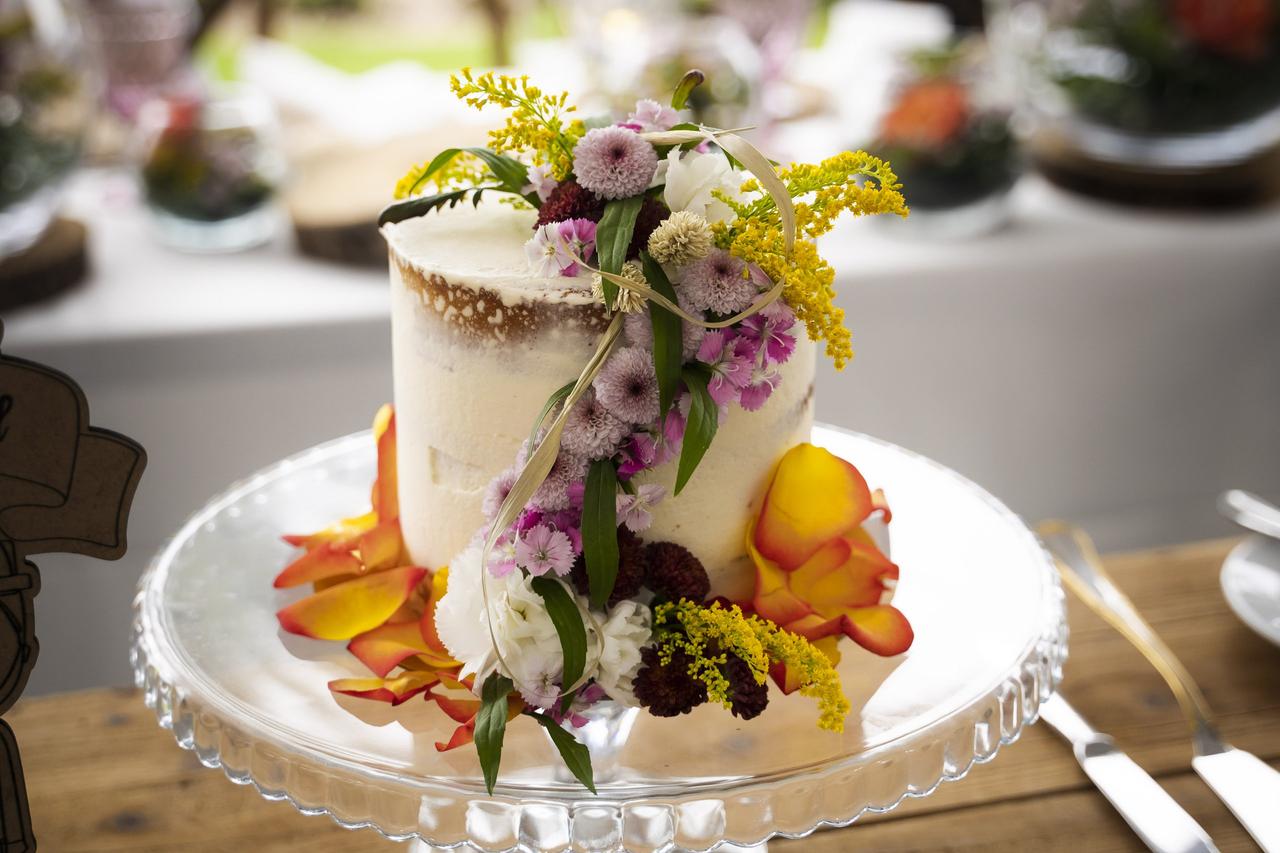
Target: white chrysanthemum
column 521, row 625
column 627, row 629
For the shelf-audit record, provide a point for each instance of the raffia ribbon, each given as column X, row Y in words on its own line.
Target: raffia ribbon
column 543, row 457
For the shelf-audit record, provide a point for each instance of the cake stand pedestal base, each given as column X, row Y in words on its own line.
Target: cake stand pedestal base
column 423, row 847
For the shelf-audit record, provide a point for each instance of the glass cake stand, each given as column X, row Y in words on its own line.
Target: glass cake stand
column 990, row 641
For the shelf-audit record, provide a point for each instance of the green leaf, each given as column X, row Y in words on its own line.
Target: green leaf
column 424, row 204
column 600, row 530
column 691, row 80
column 491, row 726
column 668, row 335
column 613, row 236
column 568, row 621
column 555, row 399
column 575, row 754
column 704, row 419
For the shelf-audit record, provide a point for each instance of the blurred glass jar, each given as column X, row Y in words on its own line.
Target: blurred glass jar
column 210, row 168
column 45, row 107
column 946, row 132
column 144, row 47
column 635, row 49
column 1152, row 84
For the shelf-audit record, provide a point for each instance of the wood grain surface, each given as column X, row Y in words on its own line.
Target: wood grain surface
column 103, row 777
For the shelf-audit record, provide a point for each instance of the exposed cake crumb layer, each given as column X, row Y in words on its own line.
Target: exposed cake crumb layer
column 467, row 389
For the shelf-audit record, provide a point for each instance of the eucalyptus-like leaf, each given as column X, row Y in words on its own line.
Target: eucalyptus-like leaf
column 575, row 753
column 491, row 726
column 565, row 615
column 668, row 335
column 600, row 530
column 700, row 429
column 692, row 79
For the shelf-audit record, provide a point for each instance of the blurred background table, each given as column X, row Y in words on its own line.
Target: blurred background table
column 103, row 777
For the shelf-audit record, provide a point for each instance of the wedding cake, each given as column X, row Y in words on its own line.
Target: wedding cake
column 595, row 489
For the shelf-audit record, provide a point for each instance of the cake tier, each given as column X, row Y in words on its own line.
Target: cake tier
column 479, row 344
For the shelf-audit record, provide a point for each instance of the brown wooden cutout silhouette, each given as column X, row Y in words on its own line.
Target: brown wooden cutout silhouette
column 64, row 486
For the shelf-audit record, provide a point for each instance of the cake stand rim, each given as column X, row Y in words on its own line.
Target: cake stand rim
column 1046, row 652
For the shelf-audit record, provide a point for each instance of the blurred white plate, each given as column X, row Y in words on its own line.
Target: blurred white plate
column 1251, row 583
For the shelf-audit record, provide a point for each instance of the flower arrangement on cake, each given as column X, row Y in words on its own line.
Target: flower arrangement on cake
column 679, row 270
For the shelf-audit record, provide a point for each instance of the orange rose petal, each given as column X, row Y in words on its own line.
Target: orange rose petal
column 773, row 599
column 343, row 534
column 459, row 710
column 439, row 584
column 391, row 690
column 881, row 629
column 386, row 500
column 462, row 736
column 385, row 647
column 317, row 564
column 382, row 548
column 814, row 496
column 343, row 611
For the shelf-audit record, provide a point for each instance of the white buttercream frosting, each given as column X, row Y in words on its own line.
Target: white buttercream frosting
column 467, row 389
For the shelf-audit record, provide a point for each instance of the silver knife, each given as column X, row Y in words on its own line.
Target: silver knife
column 1247, row 785
column 1156, row 817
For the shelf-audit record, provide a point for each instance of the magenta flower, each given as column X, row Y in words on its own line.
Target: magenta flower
column 635, row 511
column 542, row 549
column 769, row 331
column 758, row 387
column 614, row 162
column 554, row 248
column 730, row 358
column 639, row 455
column 628, row 386
column 502, row 559
column 582, row 700
column 649, row 115
column 718, row 283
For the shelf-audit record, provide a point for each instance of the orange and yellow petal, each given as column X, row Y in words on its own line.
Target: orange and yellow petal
column 318, row 564
column 881, row 629
column 394, row 691
column 386, row 500
column 813, row 497
column 382, row 547
column 341, row 535
column 387, row 646
column 343, row 611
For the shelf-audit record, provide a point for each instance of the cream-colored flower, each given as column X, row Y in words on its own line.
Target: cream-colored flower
column 692, row 177
column 681, row 238
column 622, row 635
column 627, row 301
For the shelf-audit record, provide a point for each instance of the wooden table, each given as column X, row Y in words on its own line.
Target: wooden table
column 102, row 776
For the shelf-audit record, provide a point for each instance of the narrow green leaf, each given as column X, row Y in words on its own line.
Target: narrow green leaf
column 568, row 621
column 491, row 726
column 600, row 530
column 510, row 172
column 574, row 752
column 691, row 80
column 668, row 335
column 613, row 236
column 704, row 418
column 554, row 400
column 421, row 205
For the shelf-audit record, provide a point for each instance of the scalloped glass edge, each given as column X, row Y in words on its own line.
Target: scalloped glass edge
column 443, row 817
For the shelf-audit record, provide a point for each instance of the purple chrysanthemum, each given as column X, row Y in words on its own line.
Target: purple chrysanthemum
column 542, row 549
column 497, row 490
column 716, row 283
column 628, row 386
column 553, row 494
column 591, row 430
column 638, row 328
column 614, row 162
